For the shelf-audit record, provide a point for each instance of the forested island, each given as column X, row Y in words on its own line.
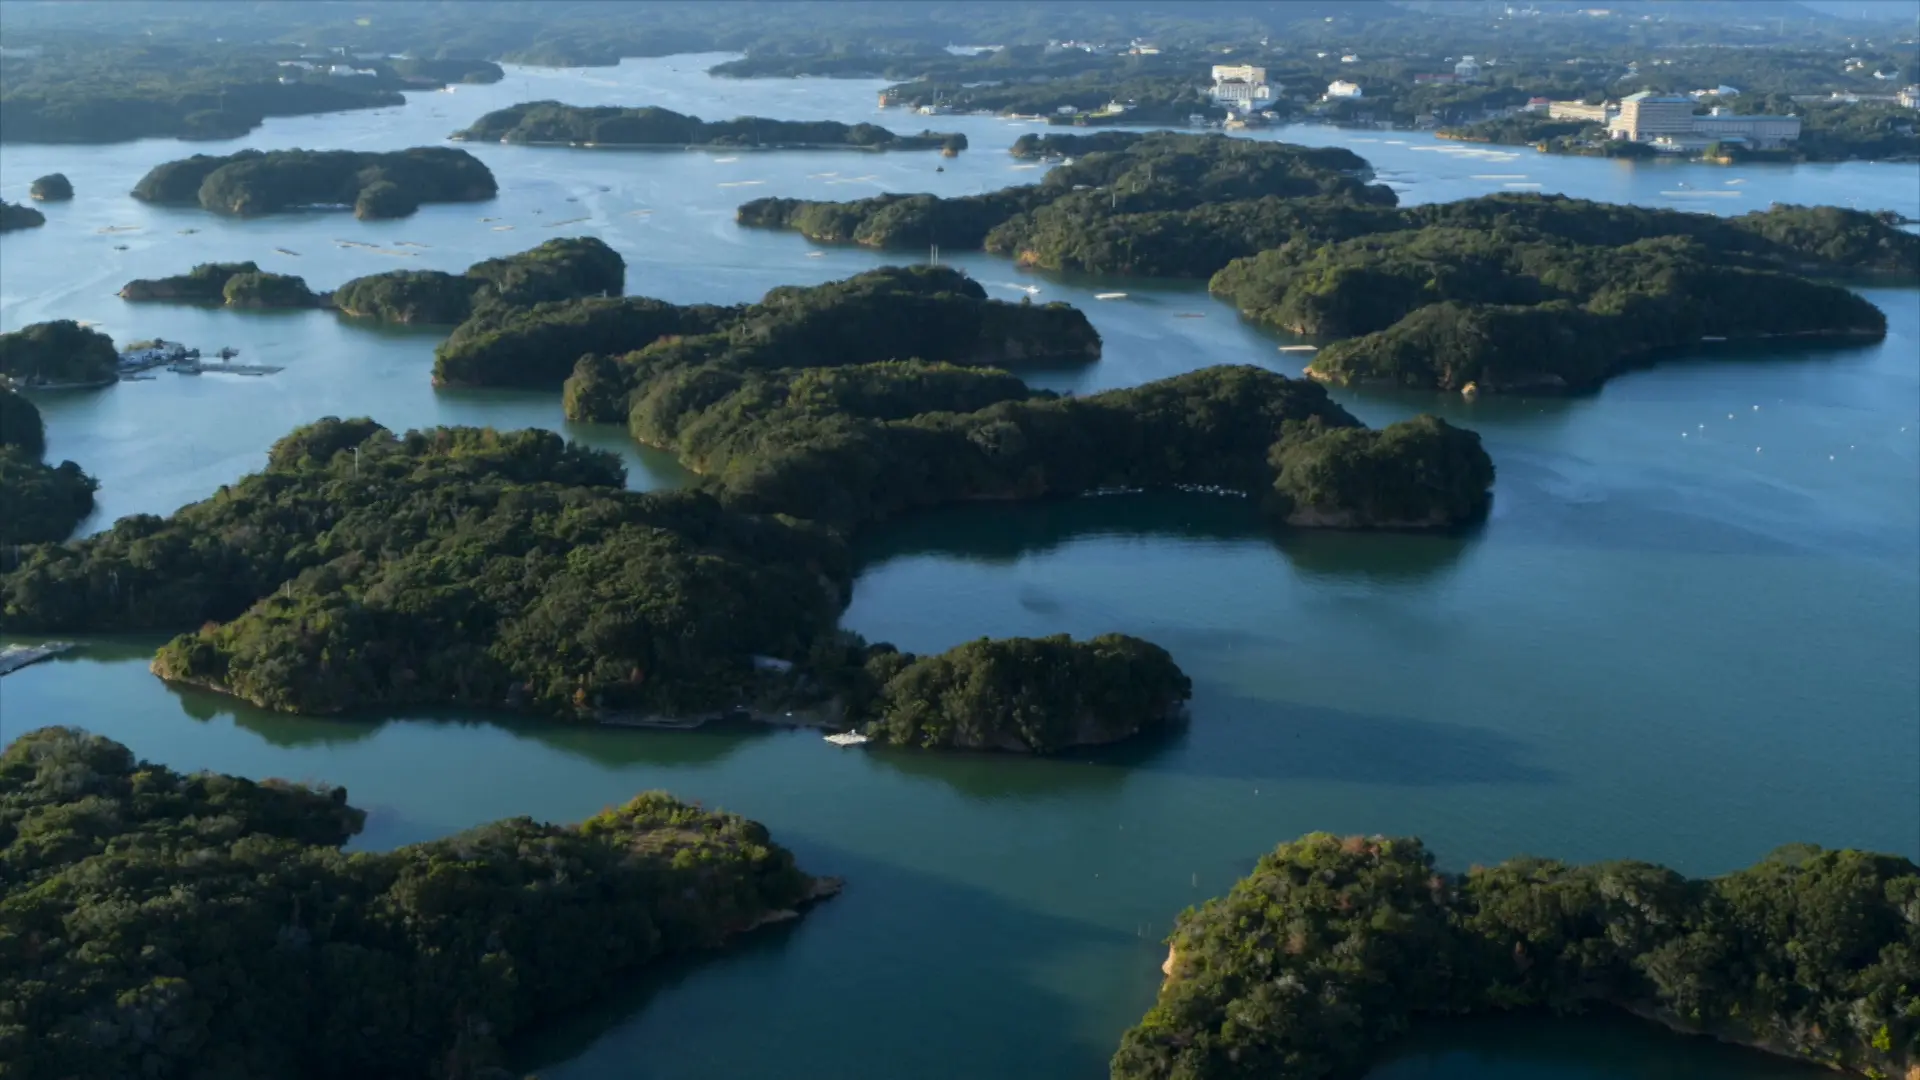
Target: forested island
column 551, row 122
column 1026, row 695
column 39, row 503
column 1172, row 205
column 16, row 216
column 931, row 313
column 53, row 187
column 1331, row 948
column 58, row 354
column 169, row 923
column 88, row 90
column 240, row 285
column 375, row 184
column 1159, row 203
column 559, row 269
column 1509, row 308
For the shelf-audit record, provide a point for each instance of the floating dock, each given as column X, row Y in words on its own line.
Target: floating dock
column 15, row 657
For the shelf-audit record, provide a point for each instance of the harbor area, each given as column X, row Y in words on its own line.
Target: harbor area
column 142, row 357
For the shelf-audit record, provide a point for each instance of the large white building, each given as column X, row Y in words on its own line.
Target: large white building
column 1668, row 122
column 1341, row 88
column 1242, row 88
column 1467, row 70
column 1580, row 110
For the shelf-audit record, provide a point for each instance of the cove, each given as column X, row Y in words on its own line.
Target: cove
column 1682, row 650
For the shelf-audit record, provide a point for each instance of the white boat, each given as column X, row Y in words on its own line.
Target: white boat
column 1299, row 348
column 848, row 738
column 1110, row 296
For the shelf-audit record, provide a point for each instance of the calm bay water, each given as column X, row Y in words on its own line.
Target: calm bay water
column 1688, row 633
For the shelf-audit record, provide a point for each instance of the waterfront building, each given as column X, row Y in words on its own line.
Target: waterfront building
column 1242, row 87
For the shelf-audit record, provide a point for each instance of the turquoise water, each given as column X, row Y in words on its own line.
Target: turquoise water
column 1685, row 649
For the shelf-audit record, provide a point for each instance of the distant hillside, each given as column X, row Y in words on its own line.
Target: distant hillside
column 1792, row 11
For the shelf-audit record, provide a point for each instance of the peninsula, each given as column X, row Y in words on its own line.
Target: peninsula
column 1330, row 948
column 39, row 503
column 16, row 216
column 931, row 313
column 60, row 354
column 1156, row 204
column 374, row 184
column 1509, row 308
column 552, row 123
column 148, row 890
column 1171, row 205
column 90, row 88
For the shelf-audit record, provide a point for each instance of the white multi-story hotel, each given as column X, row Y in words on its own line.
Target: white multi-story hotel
column 1668, row 121
column 1243, row 88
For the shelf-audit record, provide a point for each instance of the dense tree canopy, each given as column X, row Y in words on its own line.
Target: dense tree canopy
column 1508, row 307
column 204, row 284
column 1172, row 205
column 1176, row 180
column 451, row 565
column 20, row 424
column 932, row 313
column 1027, row 695
column 89, row 89
column 262, row 182
column 38, row 503
column 16, row 216
column 169, row 924
column 53, row 187
column 611, row 125
column 61, row 352
column 879, row 440
column 561, row 269
column 1330, row 947
column 556, row 270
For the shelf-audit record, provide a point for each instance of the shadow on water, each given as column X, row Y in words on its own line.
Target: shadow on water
column 998, row 776
column 1243, row 738
column 601, row 745
column 1232, row 737
column 1603, row 1045
column 1005, row 532
column 862, row 958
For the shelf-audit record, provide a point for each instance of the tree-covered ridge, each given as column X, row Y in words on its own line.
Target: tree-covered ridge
column 612, row 125
column 18, row 216
column 87, row 90
column 1027, row 695
column 57, row 353
column 53, row 187
column 458, row 565
column 39, row 503
column 262, row 182
column 1172, row 205
column 881, row 440
column 162, row 923
column 1507, row 308
column 931, row 313
column 1331, row 947
column 556, row 270
column 1160, row 173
